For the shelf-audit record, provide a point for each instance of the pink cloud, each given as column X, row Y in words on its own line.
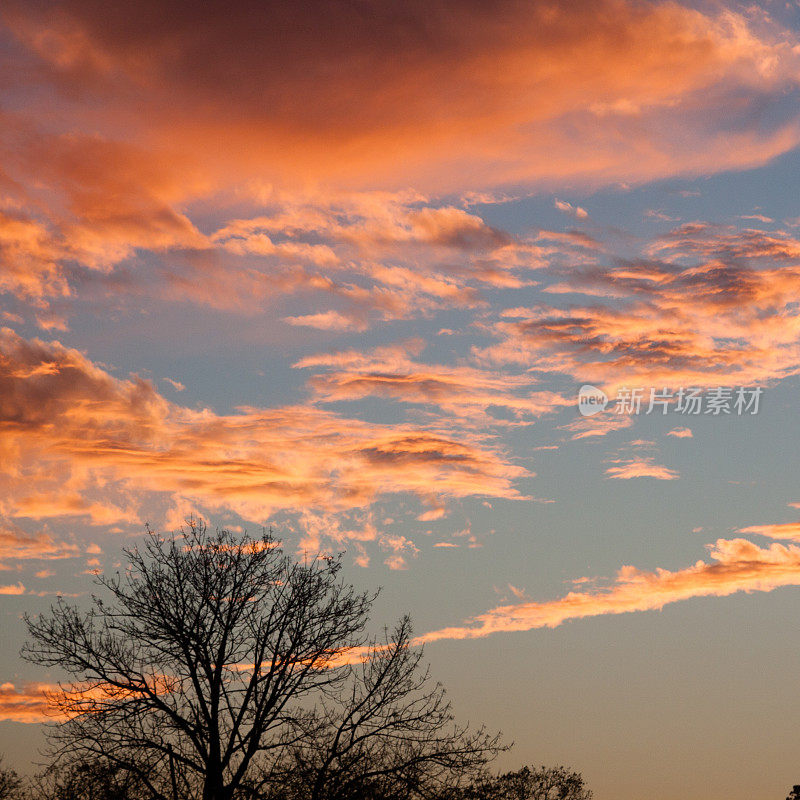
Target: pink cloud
column 572, row 211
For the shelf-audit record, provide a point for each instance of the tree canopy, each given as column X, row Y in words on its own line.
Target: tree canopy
column 217, row 666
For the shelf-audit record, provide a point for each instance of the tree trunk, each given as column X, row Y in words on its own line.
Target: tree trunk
column 214, row 788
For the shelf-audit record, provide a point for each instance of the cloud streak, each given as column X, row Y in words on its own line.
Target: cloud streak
column 27, row 703
column 735, row 565
column 640, row 467
column 463, row 392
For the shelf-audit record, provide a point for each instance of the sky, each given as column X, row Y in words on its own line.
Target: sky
column 342, row 268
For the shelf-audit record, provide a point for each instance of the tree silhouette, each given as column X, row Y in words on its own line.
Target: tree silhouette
column 95, row 780
column 10, row 783
column 795, row 793
column 385, row 735
column 222, row 668
column 543, row 783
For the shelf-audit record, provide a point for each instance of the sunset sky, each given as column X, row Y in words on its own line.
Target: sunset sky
column 343, row 267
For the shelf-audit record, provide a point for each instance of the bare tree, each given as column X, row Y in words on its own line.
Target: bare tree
column 386, row 734
column 220, row 662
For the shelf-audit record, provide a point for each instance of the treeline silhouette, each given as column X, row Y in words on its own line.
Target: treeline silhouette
column 99, row 781
column 216, row 667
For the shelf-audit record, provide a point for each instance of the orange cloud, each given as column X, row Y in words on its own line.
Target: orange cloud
column 461, row 391
column 372, row 256
column 736, row 565
column 723, row 312
column 328, row 114
column 31, row 261
column 26, row 703
column 67, row 424
column 725, row 242
column 44, row 702
column 506, row 92
column 640, row 467
column 786, row 531
column 376, row 255
column 399, row 548
column 17, row 545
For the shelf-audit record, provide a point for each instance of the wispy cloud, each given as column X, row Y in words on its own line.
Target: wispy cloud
column 640, row 467
column 736, row 565
column 65, row 416
column 16, row 545
column 462, row 391
column 786, row 531
column 681, row 433
column 721, row 311
column 27, row 703
column 571, row 211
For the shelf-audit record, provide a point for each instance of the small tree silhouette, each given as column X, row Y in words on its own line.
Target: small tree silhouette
column 795, row 793
column 530, row 783
column 10, row 782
